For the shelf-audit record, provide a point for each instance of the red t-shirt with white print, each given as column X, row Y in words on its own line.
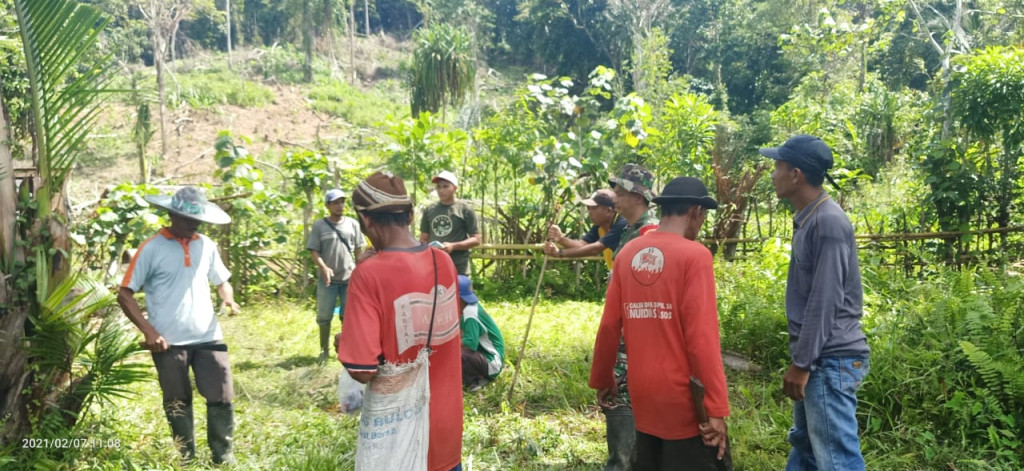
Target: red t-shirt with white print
column 388, row 313
column 662, row 298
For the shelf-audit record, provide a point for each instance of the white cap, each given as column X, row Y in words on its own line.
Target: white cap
column 333, row 195
column 447, row 176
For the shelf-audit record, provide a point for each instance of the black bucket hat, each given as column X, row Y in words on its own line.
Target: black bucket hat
column 686, row 190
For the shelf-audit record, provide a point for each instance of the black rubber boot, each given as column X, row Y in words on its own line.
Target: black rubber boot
column 325, row 337
column 621, row 436
column 179, row 415
column 220, row 431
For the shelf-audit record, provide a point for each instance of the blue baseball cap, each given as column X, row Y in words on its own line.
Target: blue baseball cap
column 466, row 290
column 808, row 153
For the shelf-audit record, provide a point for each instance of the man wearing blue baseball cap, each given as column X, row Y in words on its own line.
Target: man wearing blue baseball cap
column 483, row 348
column 334, row 243
column 827, row 345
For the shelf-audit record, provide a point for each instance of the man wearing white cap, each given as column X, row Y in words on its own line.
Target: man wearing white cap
column 334, row 242
column 450, row 222
column 175, row 269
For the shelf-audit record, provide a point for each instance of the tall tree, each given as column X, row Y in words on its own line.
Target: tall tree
column 307, row 40
column 443, row 68
column 988, row 100
column 163, row 17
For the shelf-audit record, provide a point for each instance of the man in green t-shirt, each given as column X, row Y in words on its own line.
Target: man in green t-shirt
column 483, row 348
column 451, row 223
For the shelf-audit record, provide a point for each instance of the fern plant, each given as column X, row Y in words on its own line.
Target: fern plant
column 994, row 324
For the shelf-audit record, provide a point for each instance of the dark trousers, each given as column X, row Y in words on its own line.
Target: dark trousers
column 658, row 454
column 209, row 364
column 474, row 368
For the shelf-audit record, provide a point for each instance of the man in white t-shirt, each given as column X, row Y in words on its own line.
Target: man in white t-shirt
column 175, row 268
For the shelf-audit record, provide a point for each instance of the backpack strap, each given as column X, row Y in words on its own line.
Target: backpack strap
column 340, row 236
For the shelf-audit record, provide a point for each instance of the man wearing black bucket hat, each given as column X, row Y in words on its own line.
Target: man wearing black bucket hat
column 827, row 345
column 662, row 299
column 175, row 269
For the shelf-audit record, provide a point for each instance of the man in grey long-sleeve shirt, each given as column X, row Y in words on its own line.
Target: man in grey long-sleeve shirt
column 828, row 348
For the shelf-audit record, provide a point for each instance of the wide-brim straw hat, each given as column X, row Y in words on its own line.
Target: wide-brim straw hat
column 190, row 202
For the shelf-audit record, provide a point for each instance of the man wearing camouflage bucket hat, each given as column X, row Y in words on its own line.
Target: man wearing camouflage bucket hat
column 175, row 268
column 633, row 197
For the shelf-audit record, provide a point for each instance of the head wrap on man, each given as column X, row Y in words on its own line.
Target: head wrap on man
column 382, row 192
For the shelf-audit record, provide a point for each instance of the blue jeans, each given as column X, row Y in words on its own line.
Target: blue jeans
column 824, row 434
column 327, row 298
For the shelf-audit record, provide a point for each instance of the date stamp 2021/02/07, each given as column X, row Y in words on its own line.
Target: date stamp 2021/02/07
column 87, row 442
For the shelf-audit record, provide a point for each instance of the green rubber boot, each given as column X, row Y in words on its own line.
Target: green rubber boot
column 220, row 430
column 182, row 428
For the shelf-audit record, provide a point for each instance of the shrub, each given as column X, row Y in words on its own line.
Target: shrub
column 202, row 90
column 363, row 109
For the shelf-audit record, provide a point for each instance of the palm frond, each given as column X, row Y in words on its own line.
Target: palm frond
column 65, row 92
column 443, row 67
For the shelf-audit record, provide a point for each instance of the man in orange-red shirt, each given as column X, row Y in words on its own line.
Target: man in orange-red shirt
column 662, row 299
column 402, row 296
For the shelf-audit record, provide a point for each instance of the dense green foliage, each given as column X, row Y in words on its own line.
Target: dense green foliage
column 443, row 68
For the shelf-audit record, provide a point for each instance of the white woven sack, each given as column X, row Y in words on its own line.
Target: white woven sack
column 394, row 429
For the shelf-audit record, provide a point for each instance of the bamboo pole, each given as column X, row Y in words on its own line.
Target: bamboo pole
column 533, row 308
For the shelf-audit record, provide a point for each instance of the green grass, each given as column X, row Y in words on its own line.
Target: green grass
column 287, row 414
column 210, row 88
column 362, row 108
column 286, row 404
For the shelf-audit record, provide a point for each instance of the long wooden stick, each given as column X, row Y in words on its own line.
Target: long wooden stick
column 533, row 308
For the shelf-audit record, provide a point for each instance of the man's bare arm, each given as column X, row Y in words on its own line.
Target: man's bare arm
column 153, row 340
column 227, row 296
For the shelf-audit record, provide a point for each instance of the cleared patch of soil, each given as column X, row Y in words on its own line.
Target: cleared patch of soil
column 190, row 138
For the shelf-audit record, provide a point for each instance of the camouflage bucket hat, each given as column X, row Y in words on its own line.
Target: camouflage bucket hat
column 635, row 179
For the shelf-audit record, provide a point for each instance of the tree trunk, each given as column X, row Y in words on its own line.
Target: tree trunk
column 12, row 372
column 366, row 15
column 307, row 42
column 228, row 35
column 173, row 38
column 352, row 39
column 328, row 20
column 8, row 199
column 158, row 62
column 13, row 409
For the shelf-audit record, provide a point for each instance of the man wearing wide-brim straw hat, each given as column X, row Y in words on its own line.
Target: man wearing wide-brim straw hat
column 175, row 268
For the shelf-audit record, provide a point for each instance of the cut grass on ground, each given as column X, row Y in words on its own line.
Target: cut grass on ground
column 287, row 416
